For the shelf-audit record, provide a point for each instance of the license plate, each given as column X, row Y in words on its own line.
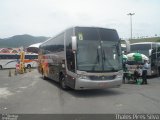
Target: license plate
column 103, row 84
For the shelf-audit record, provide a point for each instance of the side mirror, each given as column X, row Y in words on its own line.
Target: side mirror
column 127, row 45
column 150, row 52
column 63, row 65
column 74, row 43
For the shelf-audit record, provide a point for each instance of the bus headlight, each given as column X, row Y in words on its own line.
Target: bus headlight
column 83, row 77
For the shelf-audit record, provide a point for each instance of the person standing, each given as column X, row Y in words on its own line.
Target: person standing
column 124, row 61
column 137, row 73
column 17, row 67
column 144, row 72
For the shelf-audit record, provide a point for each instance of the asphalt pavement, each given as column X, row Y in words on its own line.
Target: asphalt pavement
column 29, row 94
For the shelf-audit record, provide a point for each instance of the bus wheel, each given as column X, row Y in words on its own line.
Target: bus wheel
column 0, row 67
column 159, row 71
column 63, row 83
column 28, row 66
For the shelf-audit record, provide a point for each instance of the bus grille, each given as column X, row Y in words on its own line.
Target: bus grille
column 102, row 77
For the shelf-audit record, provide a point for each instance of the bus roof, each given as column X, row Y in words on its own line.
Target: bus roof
column 73, row 29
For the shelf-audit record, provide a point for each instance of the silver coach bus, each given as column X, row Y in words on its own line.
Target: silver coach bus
column 83, row 58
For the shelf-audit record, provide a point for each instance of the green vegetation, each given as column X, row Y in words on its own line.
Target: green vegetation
column 153, row 39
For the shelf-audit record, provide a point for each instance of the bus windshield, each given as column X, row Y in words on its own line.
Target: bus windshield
column 98, row 50
column 141, row 48
column 98, row 56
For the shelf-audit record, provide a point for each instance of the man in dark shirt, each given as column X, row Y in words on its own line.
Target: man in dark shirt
column 144, row 72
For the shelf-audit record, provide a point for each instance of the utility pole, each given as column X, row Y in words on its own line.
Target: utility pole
column 131, row 14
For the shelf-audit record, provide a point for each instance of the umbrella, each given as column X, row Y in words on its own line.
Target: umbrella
column 137, row 57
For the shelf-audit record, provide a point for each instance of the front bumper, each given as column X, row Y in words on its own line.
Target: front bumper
column 97, row 84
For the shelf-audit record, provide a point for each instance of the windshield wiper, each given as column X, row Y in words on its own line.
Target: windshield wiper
column 104, row 56
column 117, row 49
column 97, row 56
column 97, row 60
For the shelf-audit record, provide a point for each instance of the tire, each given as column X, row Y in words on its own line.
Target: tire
column 158, row 71
column 0, row 67
column 28, row 66
column 63, row 83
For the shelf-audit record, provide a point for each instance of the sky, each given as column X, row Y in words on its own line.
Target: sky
column 49, row 17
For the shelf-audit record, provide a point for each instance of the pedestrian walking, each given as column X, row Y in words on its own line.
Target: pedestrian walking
column 144, row 72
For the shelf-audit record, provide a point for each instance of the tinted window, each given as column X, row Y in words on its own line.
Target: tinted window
column 31, row 56
column 153, row 45
column 86, row 33
column 97, row 49
column 141, row 48
column 9, row 56
column 108, row 34
column 55, row 44
column 155, row 54
column 156, row 48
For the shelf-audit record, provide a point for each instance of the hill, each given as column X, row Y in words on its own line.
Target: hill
column 153, row 39
column 21, row 40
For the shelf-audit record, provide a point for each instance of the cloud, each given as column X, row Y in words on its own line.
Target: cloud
column 48, row 17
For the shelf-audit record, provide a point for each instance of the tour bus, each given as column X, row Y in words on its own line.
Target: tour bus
column 82, row 58
column 9, row 60
column 146, row 48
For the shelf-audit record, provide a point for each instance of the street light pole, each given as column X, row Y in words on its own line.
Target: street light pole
column 130, row 14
